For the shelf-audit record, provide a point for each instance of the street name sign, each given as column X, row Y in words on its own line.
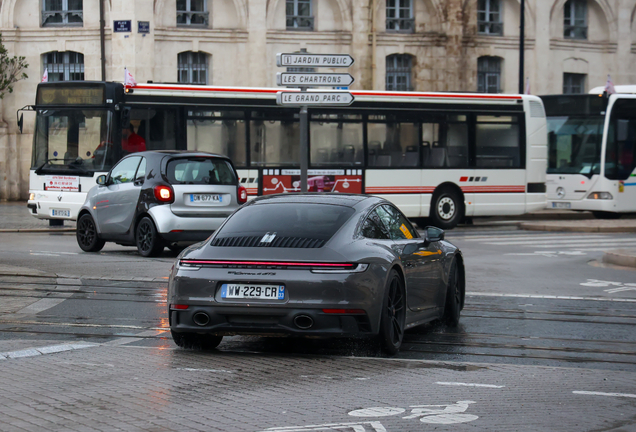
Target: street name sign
column 316, row 60
column 314, row 98
column 313, row 79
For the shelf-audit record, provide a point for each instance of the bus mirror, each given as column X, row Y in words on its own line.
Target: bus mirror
column 101, row 180
column 21, row 122
column 125, row 118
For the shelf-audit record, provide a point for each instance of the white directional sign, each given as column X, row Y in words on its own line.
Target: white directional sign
column 313, row 79
column 314, row 98
column 316, row 60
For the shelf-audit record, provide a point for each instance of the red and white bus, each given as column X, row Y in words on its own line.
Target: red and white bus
column 443, row 156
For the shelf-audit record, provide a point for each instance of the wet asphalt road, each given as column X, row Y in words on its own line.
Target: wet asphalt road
column 540, row 311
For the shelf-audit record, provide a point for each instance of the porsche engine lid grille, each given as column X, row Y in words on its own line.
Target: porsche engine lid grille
column 280, row 242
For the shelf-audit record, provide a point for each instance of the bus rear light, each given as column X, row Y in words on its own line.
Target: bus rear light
column 600, row 196
column 164, row 193
column 242, row 195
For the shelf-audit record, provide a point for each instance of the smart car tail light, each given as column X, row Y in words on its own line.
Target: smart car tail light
column 242, row 195
column 164, row 194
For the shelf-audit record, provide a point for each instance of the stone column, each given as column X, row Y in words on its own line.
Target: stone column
column 543, row 76
column 361, row 46
column 623, row 56
column 258, row 57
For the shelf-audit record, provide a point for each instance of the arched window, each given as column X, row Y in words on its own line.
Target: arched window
column 398, row 72
column 192, row 13
column 299, row 15
column 489, row 74
column 489, row 17
column 575, row 19
column 399, row 15
column 193, row 67
column 62, row 13
column 64, row 66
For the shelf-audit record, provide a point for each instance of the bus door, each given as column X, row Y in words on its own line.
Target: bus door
column 620, row 153
column 499, row 181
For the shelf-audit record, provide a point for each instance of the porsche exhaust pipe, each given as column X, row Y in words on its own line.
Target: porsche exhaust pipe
column 303, row 322
column 201, row 319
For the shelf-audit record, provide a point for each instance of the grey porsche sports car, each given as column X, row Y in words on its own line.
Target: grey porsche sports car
column 315, row 265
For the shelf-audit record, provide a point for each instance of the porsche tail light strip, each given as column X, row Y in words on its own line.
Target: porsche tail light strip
column 339, row 266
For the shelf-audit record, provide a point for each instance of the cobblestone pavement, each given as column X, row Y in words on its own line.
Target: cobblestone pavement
column 136, row 387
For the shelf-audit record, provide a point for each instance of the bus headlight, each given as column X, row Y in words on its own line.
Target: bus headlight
column 31, row 196
column 600, row 195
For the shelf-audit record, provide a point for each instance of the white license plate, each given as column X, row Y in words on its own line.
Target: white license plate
column 240, row 291
column 562, row 205
column 59, row 212
column 206, row 198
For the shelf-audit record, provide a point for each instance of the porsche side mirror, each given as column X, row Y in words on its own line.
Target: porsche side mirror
column 101, row 180
column 434, row 234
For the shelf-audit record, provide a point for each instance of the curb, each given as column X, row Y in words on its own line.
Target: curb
column 36, row 230
column 529, row 226
column 83, row 277
column 620, row 257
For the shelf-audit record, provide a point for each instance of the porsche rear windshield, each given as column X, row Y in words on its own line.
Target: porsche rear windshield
column 299, row 220
column 201, row 170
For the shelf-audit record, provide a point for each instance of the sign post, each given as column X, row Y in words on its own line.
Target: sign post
column 304, row 98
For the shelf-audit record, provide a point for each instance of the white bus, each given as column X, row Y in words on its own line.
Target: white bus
column 443, row 156
column 592, row 152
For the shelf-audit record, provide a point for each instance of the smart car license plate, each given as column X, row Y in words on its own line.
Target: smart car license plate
column 206, row 198
column 265, row 292
column 563, row 205
column 60, row 212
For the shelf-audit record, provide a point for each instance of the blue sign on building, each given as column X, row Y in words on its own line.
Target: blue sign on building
column 143, row 26
column 122, row 26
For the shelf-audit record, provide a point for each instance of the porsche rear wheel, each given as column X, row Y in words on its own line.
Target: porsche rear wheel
column 453, row 306
column 393, row 316
column 196, row 341
column 87, row 236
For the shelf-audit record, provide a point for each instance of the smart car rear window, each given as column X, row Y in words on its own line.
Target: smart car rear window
column 283, row 225
column 200, row 170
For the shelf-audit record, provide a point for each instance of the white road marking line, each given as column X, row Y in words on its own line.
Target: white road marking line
column 583, row 246
column 551, row 297
column 354, row 427
column 591, row 393
column 615, row 290
column 204, row 370
column 469, row 384
column 31, row 352
column 42, row 305
column 529, row 237
column 562, row 241
column 55, row 252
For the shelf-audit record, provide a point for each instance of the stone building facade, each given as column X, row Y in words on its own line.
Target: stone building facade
column 420, row 45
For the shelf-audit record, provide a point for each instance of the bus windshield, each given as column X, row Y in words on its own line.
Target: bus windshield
column 77, row 141
column 574, row 145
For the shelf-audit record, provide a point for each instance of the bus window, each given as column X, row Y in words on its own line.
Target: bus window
column 498, row 142
column 274, row 141
column 453, row 151
column 393, row 144
column 221, row 132
column 574, row 145
column 620, row 155
column 335, row 142
column 432, row 152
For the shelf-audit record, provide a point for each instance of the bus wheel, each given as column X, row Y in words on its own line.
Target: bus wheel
column 606, row 215
column 447, row 208
column 86, row 234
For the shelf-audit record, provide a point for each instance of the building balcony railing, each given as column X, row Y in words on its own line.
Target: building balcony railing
column 300, row 22
column 575, row 31
column 62, row 18
column 401, row 25
column 490, row 28
column 191, row 18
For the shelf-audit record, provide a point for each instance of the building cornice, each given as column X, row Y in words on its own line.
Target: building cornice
column 583, row 46
column 184, row 34
column 45, row 34
column 412, row 39
column 310, row 37
column 499, row 42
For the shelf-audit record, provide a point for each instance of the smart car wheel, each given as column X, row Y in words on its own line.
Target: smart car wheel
column 393, row 315
column 453, row 304
column 447, row 208
column 86, row 234
column 149, row 244
column 196, row 341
